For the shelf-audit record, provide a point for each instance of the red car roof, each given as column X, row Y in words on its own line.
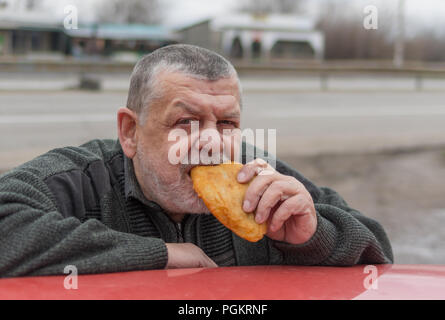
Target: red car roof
column 238, row 283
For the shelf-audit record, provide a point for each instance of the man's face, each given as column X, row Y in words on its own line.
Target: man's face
column 184, row 103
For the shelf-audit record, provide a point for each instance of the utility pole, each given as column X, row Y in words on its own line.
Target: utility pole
column 399, row 43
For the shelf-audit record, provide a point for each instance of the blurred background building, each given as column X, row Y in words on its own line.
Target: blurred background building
column 258, row 37
column 247, row 30
column 123, row 42
column 26, row 28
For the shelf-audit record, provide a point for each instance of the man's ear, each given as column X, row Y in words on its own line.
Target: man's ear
column 126, row 129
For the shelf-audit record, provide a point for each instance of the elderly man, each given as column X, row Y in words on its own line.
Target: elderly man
column 121, row 205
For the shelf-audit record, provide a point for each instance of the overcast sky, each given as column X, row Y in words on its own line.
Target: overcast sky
column 419, row 13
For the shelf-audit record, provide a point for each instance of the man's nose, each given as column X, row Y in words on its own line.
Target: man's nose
column 210, row 141
column 207, row 145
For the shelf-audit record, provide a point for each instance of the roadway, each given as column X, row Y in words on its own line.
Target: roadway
column 306, row 122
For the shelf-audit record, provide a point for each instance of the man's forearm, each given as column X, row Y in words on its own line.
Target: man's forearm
column 43, row 244
column 340, row 239
column 35, row 239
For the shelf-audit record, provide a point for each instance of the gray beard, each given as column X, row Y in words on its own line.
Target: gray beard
column 173, row 196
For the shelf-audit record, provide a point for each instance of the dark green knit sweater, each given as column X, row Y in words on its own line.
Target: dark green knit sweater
column 83, row 206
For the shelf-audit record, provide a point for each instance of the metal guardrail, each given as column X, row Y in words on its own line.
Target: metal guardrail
column 78, row 66
column 328, row 69
column 334, row 66
column 324, row 70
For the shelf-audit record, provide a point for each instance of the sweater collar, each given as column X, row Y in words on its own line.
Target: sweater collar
column 132, row 187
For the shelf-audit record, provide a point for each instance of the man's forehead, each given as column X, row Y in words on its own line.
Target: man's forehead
column 189, row 93
column 226, row 106
column 180, row 81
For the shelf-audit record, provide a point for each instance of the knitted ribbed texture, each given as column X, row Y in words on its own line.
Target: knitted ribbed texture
column 35, row 239
column 70, row 206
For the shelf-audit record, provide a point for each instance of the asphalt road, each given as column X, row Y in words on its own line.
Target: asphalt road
column 305, row 122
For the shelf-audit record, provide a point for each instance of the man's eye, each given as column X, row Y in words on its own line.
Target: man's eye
column 186, row 121
column 227, row 123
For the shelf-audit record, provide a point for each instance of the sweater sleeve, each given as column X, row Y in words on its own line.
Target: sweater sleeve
column 35, row 238
column 343, row 237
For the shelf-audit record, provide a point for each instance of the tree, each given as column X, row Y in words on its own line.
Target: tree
column 129, row 11
column 341, row 22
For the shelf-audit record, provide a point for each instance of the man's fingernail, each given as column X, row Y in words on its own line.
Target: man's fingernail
column 258, row 218
column 241, row 176
column 246, row 205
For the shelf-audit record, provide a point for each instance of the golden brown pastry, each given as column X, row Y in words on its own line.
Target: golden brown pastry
column 218, row 187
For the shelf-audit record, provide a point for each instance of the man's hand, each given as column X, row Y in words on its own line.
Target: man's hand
column 187, row 255
column 280, row 200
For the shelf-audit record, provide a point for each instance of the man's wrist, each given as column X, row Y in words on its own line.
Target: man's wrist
column 314, row 251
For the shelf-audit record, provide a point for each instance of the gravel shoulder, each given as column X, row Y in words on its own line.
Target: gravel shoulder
column 403, row 189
